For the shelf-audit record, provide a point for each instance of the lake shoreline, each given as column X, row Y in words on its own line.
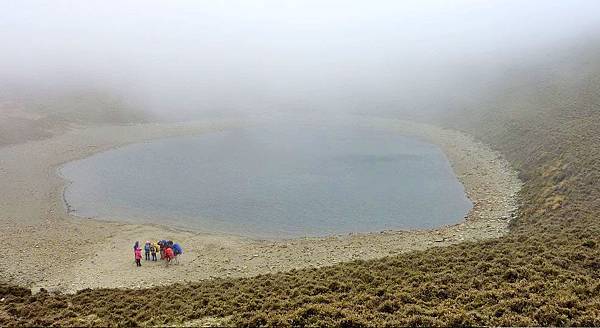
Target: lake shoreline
column 67, row 253
column 272, row 182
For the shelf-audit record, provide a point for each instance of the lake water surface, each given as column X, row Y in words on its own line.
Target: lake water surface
column 272, row 182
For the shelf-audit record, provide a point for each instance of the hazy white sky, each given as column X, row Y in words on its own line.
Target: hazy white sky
column 186, row 56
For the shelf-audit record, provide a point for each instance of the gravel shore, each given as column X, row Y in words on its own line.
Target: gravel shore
column 54, row 250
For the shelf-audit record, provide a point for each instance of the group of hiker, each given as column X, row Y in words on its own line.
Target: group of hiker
column 166, row 249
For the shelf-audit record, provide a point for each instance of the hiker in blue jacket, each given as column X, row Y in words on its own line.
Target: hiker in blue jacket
column 177, row 249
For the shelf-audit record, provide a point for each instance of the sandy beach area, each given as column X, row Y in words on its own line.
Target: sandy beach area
column 45, row 247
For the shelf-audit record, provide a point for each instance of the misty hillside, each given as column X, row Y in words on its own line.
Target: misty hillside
column 31, row 114
column 545, row 272
column 314, row 163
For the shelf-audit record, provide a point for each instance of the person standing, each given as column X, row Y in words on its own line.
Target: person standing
column 153, row 250
column 138, row 256
column 161, row 245
column 147, row 250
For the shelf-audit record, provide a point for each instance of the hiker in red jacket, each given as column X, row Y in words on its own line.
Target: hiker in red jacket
column 169, row 254
column 138, row 256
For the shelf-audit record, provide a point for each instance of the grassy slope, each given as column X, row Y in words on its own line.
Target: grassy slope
column 545, row 272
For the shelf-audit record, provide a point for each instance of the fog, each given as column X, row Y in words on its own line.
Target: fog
column 190, row 59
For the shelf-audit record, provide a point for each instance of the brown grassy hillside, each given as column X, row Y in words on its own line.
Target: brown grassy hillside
column 546, row 271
